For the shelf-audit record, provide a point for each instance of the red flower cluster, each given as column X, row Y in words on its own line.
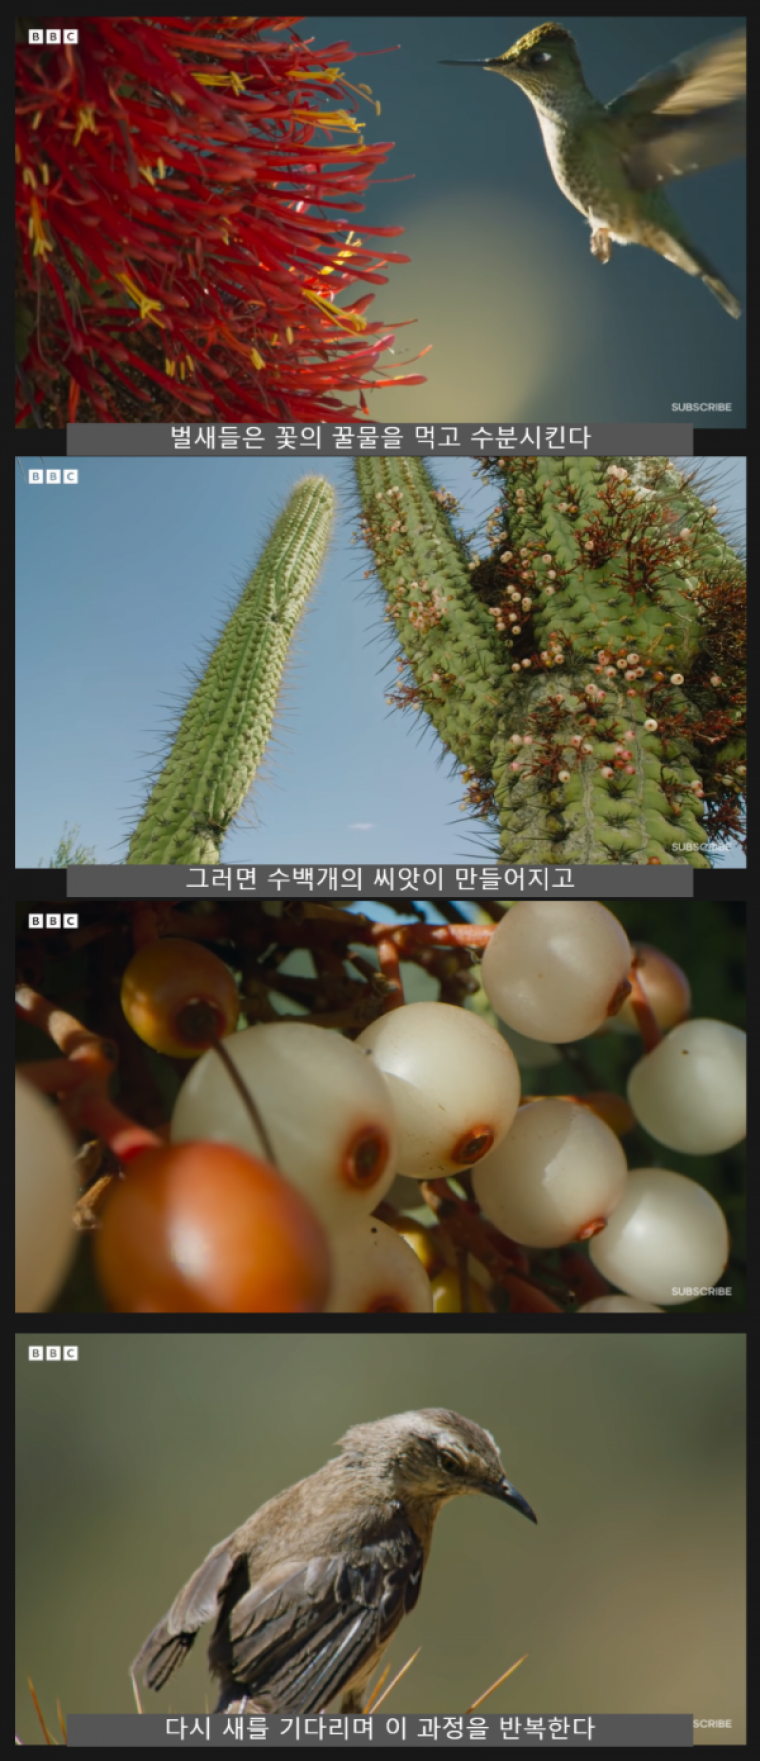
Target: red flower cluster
column 182, row 235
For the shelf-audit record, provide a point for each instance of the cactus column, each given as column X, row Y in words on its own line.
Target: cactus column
column 223, row 731
column 589, row 674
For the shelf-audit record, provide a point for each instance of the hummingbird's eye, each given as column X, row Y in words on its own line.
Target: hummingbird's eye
column 538, row 56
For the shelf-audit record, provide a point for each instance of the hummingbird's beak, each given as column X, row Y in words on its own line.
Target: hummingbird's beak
column 464, row 64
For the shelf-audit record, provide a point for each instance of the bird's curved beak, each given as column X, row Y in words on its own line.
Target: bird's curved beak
column 509, row 1495
column 463, row 64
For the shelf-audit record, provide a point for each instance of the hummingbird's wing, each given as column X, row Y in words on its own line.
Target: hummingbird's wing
column 688, row 115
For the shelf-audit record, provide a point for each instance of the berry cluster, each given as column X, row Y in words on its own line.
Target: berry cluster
column 273, row 1185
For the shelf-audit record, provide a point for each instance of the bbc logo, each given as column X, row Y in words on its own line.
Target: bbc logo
column 53, row 920
column 55, row 1354
column 38, row 476
column 67, row 36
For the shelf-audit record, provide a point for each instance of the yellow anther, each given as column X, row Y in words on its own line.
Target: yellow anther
column 147, row 306
column 330, row 119
column 237, row 84
column 346, row 320
column 85, row 121
column 316, row 73
column 37, row 231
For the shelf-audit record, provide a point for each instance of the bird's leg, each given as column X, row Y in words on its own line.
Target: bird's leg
column 601, row 247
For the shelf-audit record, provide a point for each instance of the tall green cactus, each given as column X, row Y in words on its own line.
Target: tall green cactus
column 589, row 673
column 223, row 731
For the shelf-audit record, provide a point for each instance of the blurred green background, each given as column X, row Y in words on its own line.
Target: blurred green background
column 628, row 1596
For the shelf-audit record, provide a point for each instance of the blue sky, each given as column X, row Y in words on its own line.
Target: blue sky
column 122, row 579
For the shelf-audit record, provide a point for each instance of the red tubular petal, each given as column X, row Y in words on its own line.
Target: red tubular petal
column 260, row 248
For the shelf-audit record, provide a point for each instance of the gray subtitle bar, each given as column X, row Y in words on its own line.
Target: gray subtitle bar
column 611, row 1730
column 407, row 439
column 335, row 881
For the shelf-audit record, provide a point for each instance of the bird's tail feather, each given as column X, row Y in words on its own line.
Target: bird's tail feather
column 695, row 263
column 722, row 293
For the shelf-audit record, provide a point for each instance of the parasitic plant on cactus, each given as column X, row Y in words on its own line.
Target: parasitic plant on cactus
column 589, row 673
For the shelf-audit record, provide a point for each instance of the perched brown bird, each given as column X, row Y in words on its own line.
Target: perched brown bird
column 308, row 1593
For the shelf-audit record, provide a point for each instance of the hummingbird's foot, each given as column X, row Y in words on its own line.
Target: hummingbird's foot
column 601, row 245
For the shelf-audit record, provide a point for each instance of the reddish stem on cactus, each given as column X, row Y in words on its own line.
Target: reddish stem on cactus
column 646, row 1021
column 82, row 1078
column 55, row 1076
column 66, row 1032
column 390, row 966
column 90, row 1108
column 468, row 1232
column 427, row 935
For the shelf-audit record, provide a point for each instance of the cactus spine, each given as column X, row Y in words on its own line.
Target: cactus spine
column 589, row 673
column 223, row 732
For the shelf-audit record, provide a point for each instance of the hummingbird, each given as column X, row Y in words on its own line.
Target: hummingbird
column 612, row 160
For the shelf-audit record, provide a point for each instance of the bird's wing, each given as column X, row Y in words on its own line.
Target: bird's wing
column 167, row 1645
column 688, row 115
column 298, row 1636
column 713, row 74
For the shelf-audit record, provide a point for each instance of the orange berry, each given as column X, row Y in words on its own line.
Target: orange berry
column 179, row 997
column 206, row 1228
column 665, row 987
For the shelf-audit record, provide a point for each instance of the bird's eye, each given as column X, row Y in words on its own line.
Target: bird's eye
column 538, row 56
column 451, row 1463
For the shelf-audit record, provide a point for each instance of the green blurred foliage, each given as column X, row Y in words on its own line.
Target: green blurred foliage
column 68, row 853
column 628, row 1596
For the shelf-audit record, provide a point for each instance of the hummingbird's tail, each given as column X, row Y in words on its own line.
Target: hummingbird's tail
column 689, row 258
column 722, row 293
